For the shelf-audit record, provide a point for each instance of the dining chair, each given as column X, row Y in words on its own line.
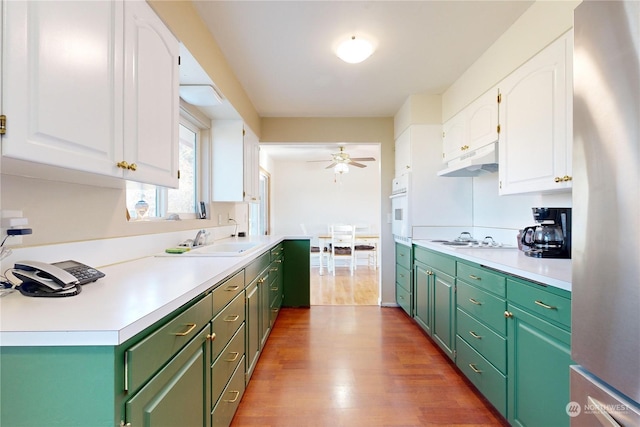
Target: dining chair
column 364, row 246
column 342, row 246
column 316, row 251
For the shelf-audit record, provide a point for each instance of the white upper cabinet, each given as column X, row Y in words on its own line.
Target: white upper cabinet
column 536, row 122
column 472, row 128
column 71, row 74
column 235, row 162
column 454, row 137
column 151, row 98
column 403, row 153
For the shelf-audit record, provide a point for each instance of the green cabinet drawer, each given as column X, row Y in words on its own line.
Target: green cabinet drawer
column 403, row 255
column 485, row 341
column 227, row 291
column 435, row 260
column 403, row 298
column 277, row 252
column 226, row 323
column 491, row 383
column 484, row 306
column 145, row 358
column 225, row 409
column 226, row 364
column 174, row 396
column 403, row 277
column 536, row 299
column 483, row 278
column 256, row 267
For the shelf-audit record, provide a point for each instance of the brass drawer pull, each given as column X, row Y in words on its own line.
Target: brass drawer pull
column 191, row 326
column 232, row 288
column 273, row 270
column 475, row 301
column 476, row 336
column 508, row 315
column 474, row 369
column 543, row 305
column 231, row 318
column 235, row 398
column 274, row 288
column 279, row 261
column 211, row 337
column 235, row 357
column 262, row 280
column 401, row 275
column 471, row 276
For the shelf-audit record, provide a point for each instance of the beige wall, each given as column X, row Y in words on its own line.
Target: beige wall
column 541, row 24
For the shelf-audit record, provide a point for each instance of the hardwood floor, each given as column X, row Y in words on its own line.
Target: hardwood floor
column 356, row 366
column 344, row 289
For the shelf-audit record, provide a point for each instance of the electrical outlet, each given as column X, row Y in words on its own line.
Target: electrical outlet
column 7, row 217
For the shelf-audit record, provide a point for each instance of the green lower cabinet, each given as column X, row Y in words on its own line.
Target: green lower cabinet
column 422, row 289
column 539, row 356
column 444, row 312
column 297, row 274
column 178, row 394
column 487, row 379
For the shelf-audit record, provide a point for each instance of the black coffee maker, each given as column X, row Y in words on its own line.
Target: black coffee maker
column 551, row 238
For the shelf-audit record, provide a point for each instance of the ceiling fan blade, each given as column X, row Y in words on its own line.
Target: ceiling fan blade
column 358, row 165
column 331, row 165
column 363, row 159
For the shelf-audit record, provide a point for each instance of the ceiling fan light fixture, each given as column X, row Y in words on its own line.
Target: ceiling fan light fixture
column 341, row 168
column 354, row 50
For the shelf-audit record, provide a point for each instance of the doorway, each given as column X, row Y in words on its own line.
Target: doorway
column 306, row 189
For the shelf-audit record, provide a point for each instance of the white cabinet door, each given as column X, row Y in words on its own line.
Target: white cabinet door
column 454, row 139
column 251, row 166
column 62, row 83
column 482, row 120
column 403, row 153
column 151, row 105
column 227, row 161
column 536, row 122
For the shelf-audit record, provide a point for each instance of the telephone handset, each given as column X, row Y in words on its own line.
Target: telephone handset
column 58, row 278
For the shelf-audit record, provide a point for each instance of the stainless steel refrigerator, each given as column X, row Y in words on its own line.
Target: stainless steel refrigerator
column 605, row 386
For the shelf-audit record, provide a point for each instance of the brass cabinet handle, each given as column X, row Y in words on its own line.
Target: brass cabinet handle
column 211, row 337
column 508, row 314
column 274, row 288
column 235, row 398
column 232, row 288
column 278, row 260
column 557, row 179
column 273, row 270
column 474, row 369
column 476, row 336
column 400, row 297
column 543, row 305
column 133, row 167
column 471, row 276
column 473, row 301
column 123, row 165
column 231, row 318
column 262, row 280
column 191, row 326
column 566, row 178
column 235, row 357
column 401, row 275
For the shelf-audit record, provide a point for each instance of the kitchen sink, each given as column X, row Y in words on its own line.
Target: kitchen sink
column 221, row 249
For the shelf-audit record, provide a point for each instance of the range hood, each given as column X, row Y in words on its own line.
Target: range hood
column 479, row 162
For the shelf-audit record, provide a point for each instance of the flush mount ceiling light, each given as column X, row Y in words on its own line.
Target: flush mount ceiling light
column 354, row 50
column 341, row 168
column 200, row 95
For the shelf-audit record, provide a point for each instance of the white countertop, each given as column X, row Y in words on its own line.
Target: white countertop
column 552, row 272
column 132, row 296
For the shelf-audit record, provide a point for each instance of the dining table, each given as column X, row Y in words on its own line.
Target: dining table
column 365, row 239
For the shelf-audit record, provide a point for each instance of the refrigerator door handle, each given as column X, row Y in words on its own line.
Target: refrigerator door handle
column 600, row 412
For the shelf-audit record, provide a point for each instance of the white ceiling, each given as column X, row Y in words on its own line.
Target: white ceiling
column 282, row 51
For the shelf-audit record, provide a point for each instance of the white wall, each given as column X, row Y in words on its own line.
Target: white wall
column 304, row 192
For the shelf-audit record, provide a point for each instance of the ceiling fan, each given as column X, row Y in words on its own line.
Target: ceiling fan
column 343, row 158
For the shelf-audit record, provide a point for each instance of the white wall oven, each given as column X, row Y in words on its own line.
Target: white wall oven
column 400, row 217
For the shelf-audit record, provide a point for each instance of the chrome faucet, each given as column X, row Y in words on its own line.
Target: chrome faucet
column 235, row 229
column 200, row 235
